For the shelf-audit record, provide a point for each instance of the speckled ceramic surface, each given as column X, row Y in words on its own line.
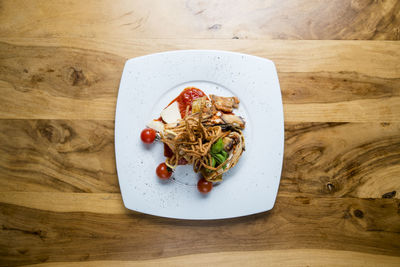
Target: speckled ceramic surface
column 149, row 83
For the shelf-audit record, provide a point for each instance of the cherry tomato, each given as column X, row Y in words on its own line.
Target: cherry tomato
column 163, row 172
column 204, row 186
column 148, row 135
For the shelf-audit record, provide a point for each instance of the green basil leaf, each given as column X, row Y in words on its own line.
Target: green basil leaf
column 223, row 152
column 217, row 146
column 219, row 158
column 213, row 162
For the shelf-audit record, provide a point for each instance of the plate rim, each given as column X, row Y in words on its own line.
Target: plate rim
column 200, row 51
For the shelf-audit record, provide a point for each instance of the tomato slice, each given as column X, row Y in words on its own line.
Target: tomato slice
column 186, row 98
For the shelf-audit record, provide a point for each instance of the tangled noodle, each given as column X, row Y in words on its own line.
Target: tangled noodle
column 190, row 141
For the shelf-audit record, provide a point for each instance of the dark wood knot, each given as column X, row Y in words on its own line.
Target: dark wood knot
column 389, row 194
column 47, row 131
column 331, row 187
column 55, row 133
column 215, row 27
column 77, row 77
column 359, row 214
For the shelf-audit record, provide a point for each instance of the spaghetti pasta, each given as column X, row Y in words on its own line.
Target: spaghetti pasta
column 191, row 141
column 198, row 131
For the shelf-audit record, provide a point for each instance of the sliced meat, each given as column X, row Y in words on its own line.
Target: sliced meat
column 182, row 161
column 233, row 121
column 225, row 104
column 228, row 143
column 236, row 137
column 216, row 120
column 238, row 149
column 226, row 121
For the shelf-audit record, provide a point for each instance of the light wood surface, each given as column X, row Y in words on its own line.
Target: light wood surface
column 352, row 81
column 339, row 197
column 297, row 19
column 287, row 257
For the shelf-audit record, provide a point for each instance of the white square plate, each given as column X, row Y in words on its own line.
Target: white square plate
column 149, row 83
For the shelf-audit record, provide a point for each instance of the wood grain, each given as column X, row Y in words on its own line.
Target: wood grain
column 338, row 19
column 338, row 65
column 73, row 156
column 324, row 81
column 287, row 257
column 342, row 160
column 321, row 159
column 289, row 56
column 32, row 236
column 105, row 203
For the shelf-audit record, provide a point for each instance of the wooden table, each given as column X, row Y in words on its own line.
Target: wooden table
column 339, row 68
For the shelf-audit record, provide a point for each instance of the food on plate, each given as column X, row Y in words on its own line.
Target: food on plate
column 163, row 172
column 148, row 135
column 201, row 131
column 225, row 104
column 204, row 186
